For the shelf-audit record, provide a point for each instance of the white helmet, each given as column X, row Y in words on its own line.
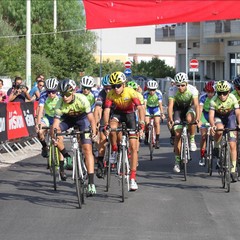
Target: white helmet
column 87, row 81
column 51, row 84
column 152, row 84
column 181, row 77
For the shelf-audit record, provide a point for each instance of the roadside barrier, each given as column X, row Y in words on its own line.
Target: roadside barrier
column 17, row 126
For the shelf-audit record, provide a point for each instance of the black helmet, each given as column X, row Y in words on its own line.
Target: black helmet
column 66, row 85
column 236, row 81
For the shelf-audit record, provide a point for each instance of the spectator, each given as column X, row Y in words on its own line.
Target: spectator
column 18, row 92
column 36, row 91
column 3, row 94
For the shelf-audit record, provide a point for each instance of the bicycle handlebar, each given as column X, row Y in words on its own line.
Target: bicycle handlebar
column 73, row 132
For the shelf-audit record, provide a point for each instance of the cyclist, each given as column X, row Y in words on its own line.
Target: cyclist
column 236, row 91
column 204, row 105
column 86, row 84
column 125, row 101
column 98, row 115
column 153, row 105
column 183, row 105
column 224, row 112
column 46, row 109
column 73, row 109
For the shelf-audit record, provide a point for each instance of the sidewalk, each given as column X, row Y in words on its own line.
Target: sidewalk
column 7, row 160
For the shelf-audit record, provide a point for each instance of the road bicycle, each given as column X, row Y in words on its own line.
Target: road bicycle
column 185, row 155
column 53, row 156
column 225, row 158
column 209, row 150
column 123, row 165
column 151, row 137
column 79, row 173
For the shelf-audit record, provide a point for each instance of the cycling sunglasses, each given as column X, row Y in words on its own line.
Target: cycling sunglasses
column 181, row 85
column 116, row 86
column 107, row 88
column 151, row 90
column 51, row 92
column 88, row 88
column 222, row 93
column 66, row 94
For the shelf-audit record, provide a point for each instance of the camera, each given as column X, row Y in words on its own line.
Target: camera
column 20, row 87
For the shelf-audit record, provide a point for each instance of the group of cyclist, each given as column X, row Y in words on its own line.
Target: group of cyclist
column 62, row 107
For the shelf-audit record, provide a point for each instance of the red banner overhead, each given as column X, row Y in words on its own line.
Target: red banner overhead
column 126, row 13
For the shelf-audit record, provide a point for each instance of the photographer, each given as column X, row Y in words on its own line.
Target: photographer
column 18, row 92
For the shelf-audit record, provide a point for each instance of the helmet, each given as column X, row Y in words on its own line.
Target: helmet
column 181, row 77
column 236, row 81
column 117, row 78
column 87, row 81
column 222, row 86
column 209, row 86
column 132, row 84
column 66, row 85
column 105, row 80
column 152, row 84
column 51, row 84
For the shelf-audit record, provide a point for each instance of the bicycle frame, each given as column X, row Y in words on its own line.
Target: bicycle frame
column 151, row 137
column 209, row 150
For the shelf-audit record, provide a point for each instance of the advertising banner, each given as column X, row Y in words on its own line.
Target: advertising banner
column 28, row 114
column 3, row 126
column 16, row 126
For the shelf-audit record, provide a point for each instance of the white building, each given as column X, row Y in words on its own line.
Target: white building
column 133, row 43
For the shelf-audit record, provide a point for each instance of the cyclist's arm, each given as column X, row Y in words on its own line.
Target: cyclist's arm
column 92, row 122
column 106, row 115
column 196, row 105
column 170, row 109
column 56, row 123
column 141, row 113
column 237, row 112
column 40, row 114
column 97, row 113
column 211, row 117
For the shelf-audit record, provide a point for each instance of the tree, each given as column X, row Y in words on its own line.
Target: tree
column 64, row 54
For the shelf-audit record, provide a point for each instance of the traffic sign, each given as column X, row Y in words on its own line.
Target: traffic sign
column 193, row 63
column 128, row 71
column 128, row 64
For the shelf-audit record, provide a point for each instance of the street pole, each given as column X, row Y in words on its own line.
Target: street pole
column 186, row 48
column 28, row 44
column 100, row 73
column 55, row 17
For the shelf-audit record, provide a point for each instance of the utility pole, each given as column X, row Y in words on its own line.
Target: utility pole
column 55, row 18
column 28, row 45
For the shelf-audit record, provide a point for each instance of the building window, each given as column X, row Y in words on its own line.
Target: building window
column 143, row 40
column 234, row 43
column 196, row 44
column 181, row 45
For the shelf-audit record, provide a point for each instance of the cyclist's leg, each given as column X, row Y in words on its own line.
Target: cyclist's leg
column 147, row 121
column 86, row 144
column 101, row 151
column 203, row 131
column 157, row 129
column 190, row 118
column 177, row 118
column 217, row 136
column 233, row 146
column 41, row 136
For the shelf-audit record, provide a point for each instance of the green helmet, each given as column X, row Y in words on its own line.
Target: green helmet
column 132, row 84
column 222, row 86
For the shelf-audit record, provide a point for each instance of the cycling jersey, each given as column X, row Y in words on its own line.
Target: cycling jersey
column 185, row 99
column 80, row 106
column 48, row 103
column 91, row 97
column 124, row 102
column 235, row 93
column 204, row 101
column 224, row 108
column 152, row 100
column 100, row 100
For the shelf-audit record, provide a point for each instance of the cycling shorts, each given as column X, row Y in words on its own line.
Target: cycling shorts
column 179, row 116
column 47, row 120
column 128, row 118
column 81, row 122
column 153, row 111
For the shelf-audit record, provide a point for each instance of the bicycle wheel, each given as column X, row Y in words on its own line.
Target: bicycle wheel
column 227, row 168
column 108, row 165
column 209, row 156
column 123, row 173
column 78, row 182
column 222, row 166
column 238, row 154
column 184, row 157
column 150, row 141
column 53, row 159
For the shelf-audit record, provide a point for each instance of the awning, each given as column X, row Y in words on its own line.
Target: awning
column 126, row 13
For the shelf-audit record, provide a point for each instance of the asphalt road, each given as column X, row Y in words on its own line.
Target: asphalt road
column 164, row 207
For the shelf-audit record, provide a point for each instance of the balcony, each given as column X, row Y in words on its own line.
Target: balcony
column 221, row 29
